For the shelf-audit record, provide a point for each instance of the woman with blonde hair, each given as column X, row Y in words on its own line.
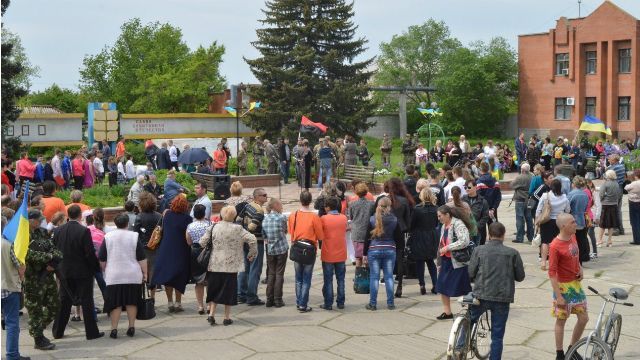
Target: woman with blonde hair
column 236, row 195
column 424, row 240
column 228, row 241
column 609, row 194
column 380, row 251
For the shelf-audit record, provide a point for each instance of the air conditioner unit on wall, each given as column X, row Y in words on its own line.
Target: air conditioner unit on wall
column 565, row 72
column 571, row 101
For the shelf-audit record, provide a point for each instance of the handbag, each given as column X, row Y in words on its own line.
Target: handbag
column 361, row 280
column 587, row 220
column 462, row 255
column 532, row 203
column 302, row 251
column 146, row 305
column 545, row 215
column 156, row 236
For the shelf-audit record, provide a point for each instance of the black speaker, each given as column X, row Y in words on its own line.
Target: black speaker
column 221, row 187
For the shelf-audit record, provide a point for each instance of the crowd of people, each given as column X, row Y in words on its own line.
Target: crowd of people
column 444, row 222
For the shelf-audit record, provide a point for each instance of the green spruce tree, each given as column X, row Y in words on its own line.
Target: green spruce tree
column 308, row 67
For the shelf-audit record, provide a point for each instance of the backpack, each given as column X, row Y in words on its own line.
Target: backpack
column 241, row 209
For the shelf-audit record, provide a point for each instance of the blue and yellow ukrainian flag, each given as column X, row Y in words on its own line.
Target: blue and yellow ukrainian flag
column 17, row 230
column 591, row 123
column 230, row 110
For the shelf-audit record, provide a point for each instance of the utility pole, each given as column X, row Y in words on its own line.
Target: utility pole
column 579, row 7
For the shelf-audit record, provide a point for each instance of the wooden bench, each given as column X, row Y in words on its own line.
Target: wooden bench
column 360, row 172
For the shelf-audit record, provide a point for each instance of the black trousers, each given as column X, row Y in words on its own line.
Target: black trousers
column 78, row 181
column 76, row 292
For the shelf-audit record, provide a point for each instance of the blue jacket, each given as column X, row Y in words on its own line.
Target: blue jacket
column 489, row 188
column 578, row 200
column 39, row 174
column 66, row 166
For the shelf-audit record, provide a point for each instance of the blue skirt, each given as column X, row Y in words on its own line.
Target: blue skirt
column 452, row 282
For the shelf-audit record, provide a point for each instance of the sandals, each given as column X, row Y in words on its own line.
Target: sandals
column 445, row 316
column 201, row 311
column 211, row 320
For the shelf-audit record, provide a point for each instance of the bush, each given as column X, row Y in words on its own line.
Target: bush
column 98, row 196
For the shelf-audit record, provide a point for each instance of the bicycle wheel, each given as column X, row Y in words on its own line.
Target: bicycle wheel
column 611, row 332
column 596, row 350
column 458, row 345
column 481, row 336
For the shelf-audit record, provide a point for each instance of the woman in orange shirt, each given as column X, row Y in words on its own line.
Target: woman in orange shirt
column 219, row 160
column 77, row 166
column 305, row 225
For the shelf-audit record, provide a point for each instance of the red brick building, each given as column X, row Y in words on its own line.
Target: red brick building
column 588, row 65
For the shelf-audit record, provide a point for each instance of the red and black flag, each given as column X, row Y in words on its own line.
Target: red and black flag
column 308, row 126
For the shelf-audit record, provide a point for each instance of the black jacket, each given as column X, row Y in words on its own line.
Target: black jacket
column 282, row 153
column 424, row 237
column 479, row 209
column 145, row 224
column 78, row 255
column 163, row 159
column 494, row 269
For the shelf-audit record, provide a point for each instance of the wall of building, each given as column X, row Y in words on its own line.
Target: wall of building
column 384, row 124
column 163, row 126
column 48, row 129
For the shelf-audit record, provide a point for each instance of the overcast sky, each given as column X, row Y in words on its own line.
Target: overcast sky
column 57, row 34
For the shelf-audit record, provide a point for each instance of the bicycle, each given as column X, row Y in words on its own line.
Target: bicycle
column 602, row 342
column 480, row 340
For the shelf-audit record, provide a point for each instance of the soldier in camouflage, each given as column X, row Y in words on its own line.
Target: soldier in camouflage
column 258, row 153
column 385, row 151
column 272, row 157
column 408, row 151
column 242, row 158
column 40, row 288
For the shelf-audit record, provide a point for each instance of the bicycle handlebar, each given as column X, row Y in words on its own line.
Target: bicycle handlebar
column 608, row 299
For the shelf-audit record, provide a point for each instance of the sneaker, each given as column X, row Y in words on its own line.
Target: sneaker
column 325, row 307
column 391, row 307
column 593, row 256
column 42, row 344
column 305, row 309
column 371, row 307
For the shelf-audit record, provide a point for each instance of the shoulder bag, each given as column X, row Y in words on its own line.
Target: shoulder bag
column 146, row 305
column 545, row 215
column 156, row 236
column 302, row 251
column 205, row 255
column 461, row 255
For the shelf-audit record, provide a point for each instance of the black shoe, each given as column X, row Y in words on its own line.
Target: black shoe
column 42, row 344
column 242, row 301
column 200, row 311
column 340, row 306
column 433, row 291
column 371, row 307
column 399, row 292
column 211, row 320
column 444, row 316
column 423, row 290
column 256, row 303
column 58, row 336
column 391, row 307
column 3, row 327
column 278, row 304
column 325, row 307
column 517, row 241
column 98, row 336
column 24, row 358
column 76, row 318
column 227, row 322
column 305, row 309
column 131, row 331
column 270, row 303
column 631, row 243
column 114, row 334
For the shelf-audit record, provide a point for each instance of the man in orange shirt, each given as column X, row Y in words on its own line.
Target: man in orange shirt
column 304, row 224
column 334, row 253
column 52, row 204
column 120, row 150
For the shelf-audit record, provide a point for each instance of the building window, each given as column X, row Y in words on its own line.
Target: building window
column 562, row 64
column 624, row 108
column 563, row 111
column 42, row 129
column 10, row 130
column 591, row 56
column 25, row 130
column 624, row 60
column 590, row 106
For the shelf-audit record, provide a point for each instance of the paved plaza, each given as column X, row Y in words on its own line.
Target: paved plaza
column 409, row 332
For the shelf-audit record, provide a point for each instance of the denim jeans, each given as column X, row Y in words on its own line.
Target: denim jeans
column 249, row 279
column 102, row 285
column 328, row 270
column 634, row 218
column 284, row 171
column 303, row 283
column 499, row 316
column 383, row 259
column 10, row 309
column 433, row 271
column 326, row 172
column 523, row 217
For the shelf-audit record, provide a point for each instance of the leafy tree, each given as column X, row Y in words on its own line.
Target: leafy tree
column 19, row 55
column 414, row 58
column 307, row 67
column 67, row 100
column 151, row 69
column 478, row 87
column 12, row 69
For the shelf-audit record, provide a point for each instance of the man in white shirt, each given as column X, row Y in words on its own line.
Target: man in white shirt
column 136, row 190
column 130, row 169
column 203, row 199
column 98, row 165
column 458, row 181
column 56, row 165
column 489, row 149
column 173, row 155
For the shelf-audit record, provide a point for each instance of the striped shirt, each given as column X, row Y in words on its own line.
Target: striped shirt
column 620, row 170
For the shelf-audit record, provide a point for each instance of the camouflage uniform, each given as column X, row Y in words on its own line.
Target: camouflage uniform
column 385, row 151
column 416, row 141
column 272, row 158
column 408, row 151
column 258, row 153
column 242, row 161
column 40, row 288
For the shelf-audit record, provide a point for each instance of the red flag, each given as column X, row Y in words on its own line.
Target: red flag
column 307, row 125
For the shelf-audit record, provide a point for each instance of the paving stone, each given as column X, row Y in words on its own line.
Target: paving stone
column 298, row 355
column 210, row 349
column 192, row 329
column 389, row 347
column 292, row 338
column 378, row 323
